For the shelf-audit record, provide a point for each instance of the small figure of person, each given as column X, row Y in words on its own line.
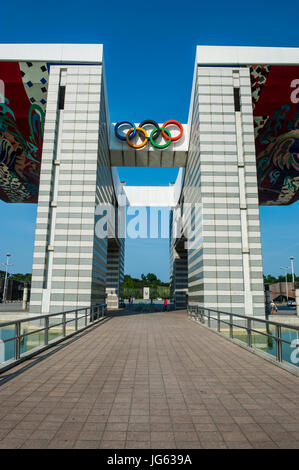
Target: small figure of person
column 165, row 305
column 273, row 307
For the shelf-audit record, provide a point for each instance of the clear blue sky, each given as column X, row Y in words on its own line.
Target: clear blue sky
column 149, row 53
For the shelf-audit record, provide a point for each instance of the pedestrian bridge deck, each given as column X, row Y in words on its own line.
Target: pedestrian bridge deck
column 148, row 380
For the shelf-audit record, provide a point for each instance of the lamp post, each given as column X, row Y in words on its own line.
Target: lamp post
column 6, row 276
column 286, row 268
column 293, row 274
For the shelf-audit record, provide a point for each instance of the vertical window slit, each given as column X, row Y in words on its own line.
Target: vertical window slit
column 61, row 97
column 237, row 99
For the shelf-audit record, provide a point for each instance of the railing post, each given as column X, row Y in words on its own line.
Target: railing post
column 76, row 321
column 218, row 321
column 231, row 333
column 17, row 340
column 103, row 311
column 209, row 319
column 63, row 324
column 278, row 343
column 46, row 330
column 249, row 336
column 86, row 316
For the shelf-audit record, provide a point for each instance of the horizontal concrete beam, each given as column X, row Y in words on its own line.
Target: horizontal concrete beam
column 173, row 156
column 61, row 53
column 243, row 55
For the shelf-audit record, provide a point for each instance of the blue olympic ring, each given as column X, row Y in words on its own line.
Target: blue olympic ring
column 122, row 136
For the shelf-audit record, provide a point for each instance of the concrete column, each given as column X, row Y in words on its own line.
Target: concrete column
column 70, row 262
column 225, row 270
column 25, row 296
column 178, row 272
column 115, row 273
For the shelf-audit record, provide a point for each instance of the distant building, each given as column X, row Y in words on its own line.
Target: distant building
column 14, row 290
column 279, row 293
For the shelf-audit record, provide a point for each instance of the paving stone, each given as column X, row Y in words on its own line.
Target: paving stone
column 86, row 444
column 35, row 444
column 163, row 445
column 149, row 381
column 138, row 445
column 61, row 444
column 112, row 445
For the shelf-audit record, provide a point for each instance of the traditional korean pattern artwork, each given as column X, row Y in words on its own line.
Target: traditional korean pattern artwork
column 275, row 99
column 23, row 98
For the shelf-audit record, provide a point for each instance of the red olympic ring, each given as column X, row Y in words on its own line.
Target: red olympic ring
column 176, row 123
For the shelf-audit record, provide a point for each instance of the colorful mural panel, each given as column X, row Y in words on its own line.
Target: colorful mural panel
column 275, row 98
column 23, row 98
column 23, row 95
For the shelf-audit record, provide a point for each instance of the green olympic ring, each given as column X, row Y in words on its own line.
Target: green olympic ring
column 152, row 138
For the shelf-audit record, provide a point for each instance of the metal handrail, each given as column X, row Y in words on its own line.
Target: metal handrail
column 38, row 317
column 48, row 327
column 262, row 320
column 95, row 313
column 199, row 311
column 252, row 329
column 248, row 319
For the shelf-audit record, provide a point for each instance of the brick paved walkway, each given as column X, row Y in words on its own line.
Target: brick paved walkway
column 148, row 380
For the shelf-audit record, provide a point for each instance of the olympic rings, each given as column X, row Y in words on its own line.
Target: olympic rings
column 177, row 123
column 155, row 134
column 123, row 137
column 135, row 146
column 154, row 143
column 154, row 123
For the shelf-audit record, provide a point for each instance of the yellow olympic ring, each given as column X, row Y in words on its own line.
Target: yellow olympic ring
column 135, row 146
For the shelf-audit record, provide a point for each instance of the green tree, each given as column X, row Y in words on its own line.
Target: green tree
column 21, row 277
column 270, row 279
column 282, row 278
column 152, row 278
column 134, row 287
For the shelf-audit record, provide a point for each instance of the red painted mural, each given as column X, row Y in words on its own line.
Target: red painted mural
column 23, row 94
column 275, row 97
